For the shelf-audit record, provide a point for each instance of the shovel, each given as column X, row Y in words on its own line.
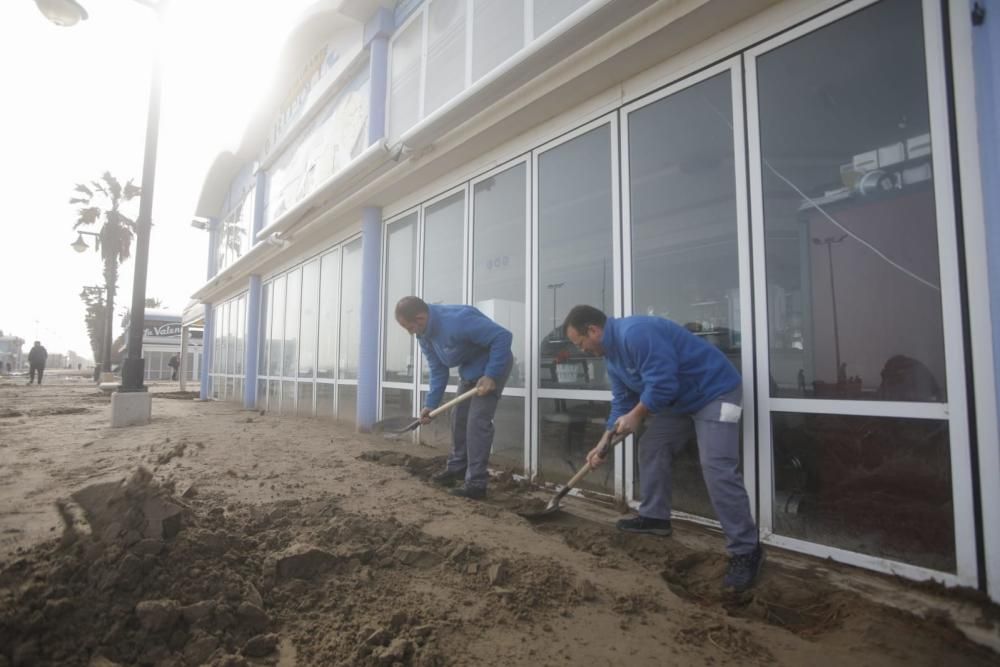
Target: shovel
column 400, row 425
column 553, row 505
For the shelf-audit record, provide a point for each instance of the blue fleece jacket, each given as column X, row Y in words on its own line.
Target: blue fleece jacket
column 464, row 337
column 664, row 365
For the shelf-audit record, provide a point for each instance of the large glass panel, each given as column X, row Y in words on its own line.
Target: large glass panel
column 444, row 247
column 567, row 430
column 396, row 403
column 508, row 438
column 277, row 329
column 310, row 319
column 274, row 395
column 437, row 434
column 230, row 338
column 497, row 33
column 324, row 399
column 400, row 253
column 853, row 285
column 261, row 394
column 874, row 485
column 547, row 13
column 289, row 364
column 241, row 338
column 264, row 340
column 404, row 78
column 305, row 405
column 288, row 397
column 574, row 254
column 350, row 311
column 326, row 366
column 498, row 257
column 445, row 52
column 347, row 403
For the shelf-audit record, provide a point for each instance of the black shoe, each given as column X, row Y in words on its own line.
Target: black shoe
column 470, row 492
column 743, row 570
column 448, row 477
column 642, row 524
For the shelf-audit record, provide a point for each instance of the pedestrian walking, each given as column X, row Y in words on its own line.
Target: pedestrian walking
column 36, row 362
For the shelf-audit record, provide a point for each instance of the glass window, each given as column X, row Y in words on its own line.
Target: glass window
column 310, row 319
column 574, row 254
column 261, row 394
column 288, row 397
column 241, row 339
column 396, row 403
column 404, row 78
column 874, row 485
column 347, row 403
column 547, row 13
column 508, row 438
column 497, row 33
column 326, row 366
column 853, row 285
column 445, row 52
column 498, row 256
column 350, row 311
column 400, row 257
column 264, row 342
column 444, row 248
column 324, row 399
column 305, row 405
column 567, row 430
column 292, row 305
column 277, row 329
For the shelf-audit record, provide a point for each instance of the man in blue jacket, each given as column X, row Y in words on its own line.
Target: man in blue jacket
column 462, row 336
column 683, row 385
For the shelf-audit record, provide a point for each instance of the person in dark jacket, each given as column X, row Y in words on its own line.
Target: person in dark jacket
column 462, row 336
column 36, row 362
column 680, row 385
column 174, row 362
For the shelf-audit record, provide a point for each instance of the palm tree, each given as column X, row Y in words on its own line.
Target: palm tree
column 114, row 238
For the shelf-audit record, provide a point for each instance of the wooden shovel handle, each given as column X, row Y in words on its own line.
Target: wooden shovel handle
column 585, row 470
column 452, row 403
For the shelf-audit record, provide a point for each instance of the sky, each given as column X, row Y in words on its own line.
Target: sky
column 73, row 103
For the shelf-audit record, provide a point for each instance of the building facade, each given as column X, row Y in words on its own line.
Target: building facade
column 803, row 183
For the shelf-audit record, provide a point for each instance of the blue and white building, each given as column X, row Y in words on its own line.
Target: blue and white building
column 811, row 185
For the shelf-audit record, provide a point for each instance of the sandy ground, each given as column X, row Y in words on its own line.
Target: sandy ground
column 221, row 536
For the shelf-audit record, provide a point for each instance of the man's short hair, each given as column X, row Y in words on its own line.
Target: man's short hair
column 409, row 307
column 581, row 317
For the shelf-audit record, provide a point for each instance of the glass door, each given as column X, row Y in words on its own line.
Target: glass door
column 861, row 381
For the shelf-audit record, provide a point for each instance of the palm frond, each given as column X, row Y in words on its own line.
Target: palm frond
column 87, row 216
column 131, row 191
column 99, row 188
column 114, row 187
column 79, row 200
column 80, row 187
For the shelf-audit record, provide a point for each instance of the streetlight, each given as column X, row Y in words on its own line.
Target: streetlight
column 80, row 245
column 554, row 287
column 828, row 242
column 67, row 13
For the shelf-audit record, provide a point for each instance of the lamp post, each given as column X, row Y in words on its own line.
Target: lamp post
column 67, row 13
column 554, row 287
column 828, row 242
column 80, row 245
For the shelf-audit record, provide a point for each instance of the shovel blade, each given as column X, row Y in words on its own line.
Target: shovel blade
column 396, row 425
column 551, row 508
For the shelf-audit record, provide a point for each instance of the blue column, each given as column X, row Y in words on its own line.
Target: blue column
column 368, row 380
column 377, row 33
column 207, row 352
column 250, row 354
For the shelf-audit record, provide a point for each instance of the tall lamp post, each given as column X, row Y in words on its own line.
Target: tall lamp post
column 68, row 13
column 828, row 242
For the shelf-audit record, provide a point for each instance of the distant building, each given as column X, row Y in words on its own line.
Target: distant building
column 161, row 340
column 10, row 353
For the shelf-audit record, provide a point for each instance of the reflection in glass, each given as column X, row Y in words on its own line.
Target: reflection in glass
column 350, row 311
column 849, row 215
column 264, row 340
column 305, row 404
column 288, row 397
column 404, row 78
column 574, row 254
column 445, row 73
column 400, row 253
column 397, row 403
column 347, row 403
column 567, row 430
column 277, row 329
column 326, row 365
column 874, row 485
column 291, row 349
column 498, row 257
column 324, row 399
column 498, row 33
column 310, row 319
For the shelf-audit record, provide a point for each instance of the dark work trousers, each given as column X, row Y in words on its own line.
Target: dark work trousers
column 472, row 432
column 717, row 427
column 36, row 369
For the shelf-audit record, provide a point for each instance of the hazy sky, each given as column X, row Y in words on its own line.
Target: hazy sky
column 73, row 104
